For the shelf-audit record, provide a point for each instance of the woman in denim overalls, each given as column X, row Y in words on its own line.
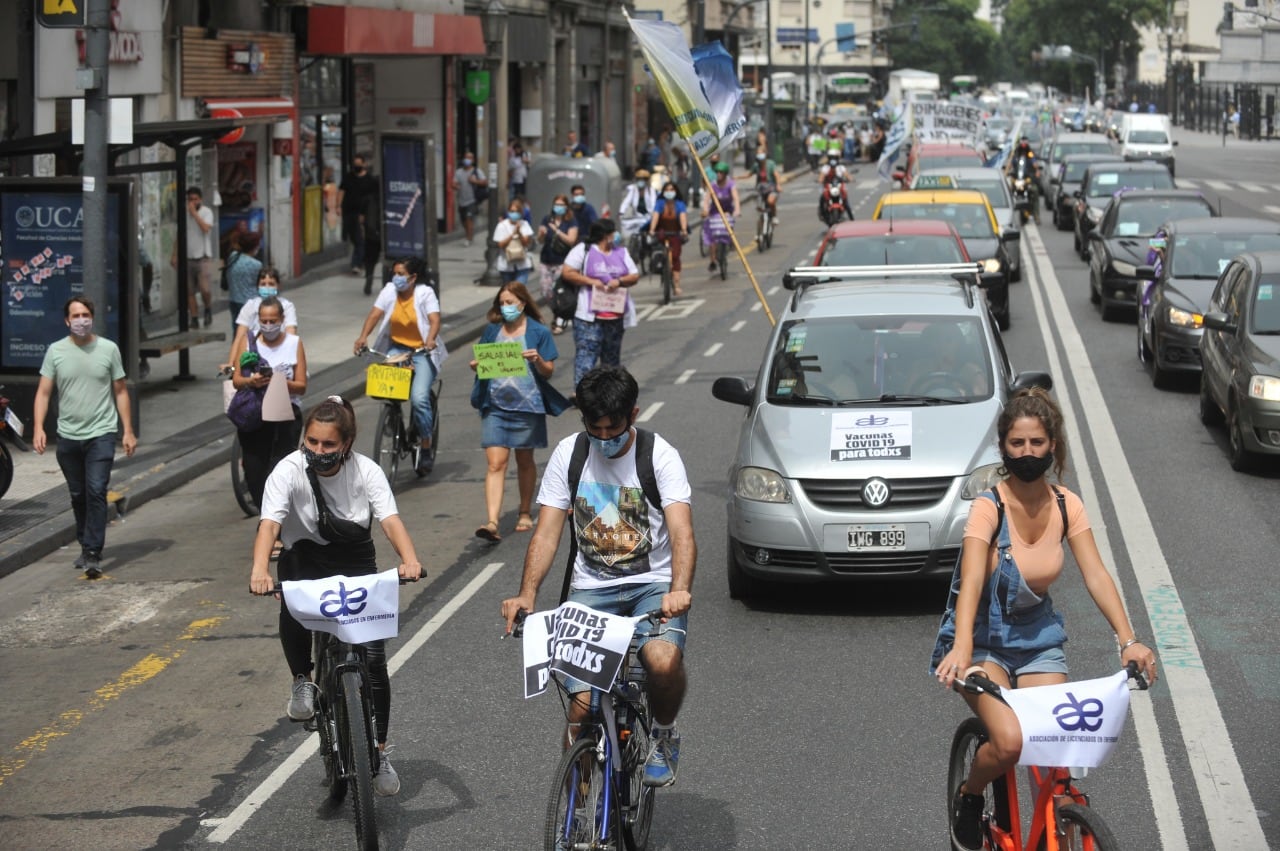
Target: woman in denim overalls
column 999, row 616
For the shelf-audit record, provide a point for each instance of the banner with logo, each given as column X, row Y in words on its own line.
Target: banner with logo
column 1072, row 724
column 871, row 435
column 669, row 61
column 940, row 121
column 719, row 76
column 576, row 641
column 404, row 197
column 354, row 608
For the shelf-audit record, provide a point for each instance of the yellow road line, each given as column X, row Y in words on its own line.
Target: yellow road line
column 146, row 669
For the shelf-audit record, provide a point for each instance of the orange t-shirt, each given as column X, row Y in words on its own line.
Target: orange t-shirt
column 1040, row 563
column 404, row 324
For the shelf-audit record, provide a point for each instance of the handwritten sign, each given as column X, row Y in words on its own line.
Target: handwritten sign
column 609, row 301
column 387, row 382
column 575, row 641
column 499, row 360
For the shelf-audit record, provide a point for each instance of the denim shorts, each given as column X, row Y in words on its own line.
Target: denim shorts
column 632, row 600
column 1018, row 662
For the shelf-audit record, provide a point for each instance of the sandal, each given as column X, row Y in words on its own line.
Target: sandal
column 559, row 329
column 525, row 523
column 489, row 532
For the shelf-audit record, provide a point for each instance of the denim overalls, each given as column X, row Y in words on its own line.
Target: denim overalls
column 1010, row 615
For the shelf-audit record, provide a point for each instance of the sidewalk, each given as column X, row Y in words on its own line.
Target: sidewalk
column 183, row 432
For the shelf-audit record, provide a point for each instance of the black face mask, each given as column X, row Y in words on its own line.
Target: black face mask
column 322, row 462
column 1028, row 468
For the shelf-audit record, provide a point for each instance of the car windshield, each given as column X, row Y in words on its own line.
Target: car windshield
column 1110, row 182
column 1075, row 170
column 969, row 220
column 1266, row 306
column 993, row 187
column 869, row 360
column 1148, row 137
column 998, row 123
column 1064, row 149
column 950, row 160
column 1205, row 255
column 893, row 250
column 1142, row 217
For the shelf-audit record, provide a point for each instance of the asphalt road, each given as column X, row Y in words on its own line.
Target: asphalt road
column 145, row 710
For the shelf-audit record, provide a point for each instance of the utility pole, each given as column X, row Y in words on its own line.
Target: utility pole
column 807, row 72
column 94, row 176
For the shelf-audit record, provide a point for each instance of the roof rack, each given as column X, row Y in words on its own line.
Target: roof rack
column 800, row 278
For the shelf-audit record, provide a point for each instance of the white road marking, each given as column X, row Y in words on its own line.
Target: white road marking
column 755, row 307
column 1253, row 187
column 649, row 412
column 737, row 326
column 773, row 290
column 1219, row 185
column 1228, row 806
column 1272, row 209
column 1183, row 183
column 311, row 745
column 685, row 376
column 715, row 347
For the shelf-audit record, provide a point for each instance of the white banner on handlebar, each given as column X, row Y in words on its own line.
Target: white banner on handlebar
column 1071, row 724
column 356, row 609
column 576, row 641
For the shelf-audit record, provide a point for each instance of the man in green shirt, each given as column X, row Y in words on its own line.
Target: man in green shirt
column 92, row 400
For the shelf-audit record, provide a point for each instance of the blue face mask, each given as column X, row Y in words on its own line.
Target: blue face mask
column 613, row 446
column 670, row 196
column 617, row 238
column 559, row 209
column 466, row 162
column 579, row 199
column 401, row 282
column 513, row 215
column 267, row 292
column 511, row 312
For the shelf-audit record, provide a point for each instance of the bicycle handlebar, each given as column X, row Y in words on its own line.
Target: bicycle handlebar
column 278, row 587
column 365, row 350
column 977, row 683
column 517, row 629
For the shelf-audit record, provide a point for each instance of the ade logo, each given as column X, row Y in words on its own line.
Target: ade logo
column 340, row 603
column 870, row 420
column 1079, row 714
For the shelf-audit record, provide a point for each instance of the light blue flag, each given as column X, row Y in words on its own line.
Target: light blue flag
column 716, row 70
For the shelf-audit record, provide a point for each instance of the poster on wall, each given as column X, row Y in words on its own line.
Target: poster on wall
column 404, row 195
column 42, row 264
column 238, row 175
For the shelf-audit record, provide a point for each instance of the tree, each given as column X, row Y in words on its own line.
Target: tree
column 948, row 40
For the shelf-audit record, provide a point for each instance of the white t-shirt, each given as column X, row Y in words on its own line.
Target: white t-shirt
column 283, row 357
column 248, row 315
column 506, row 228
column 199, row 241
column 622, row 539
column 359, row 489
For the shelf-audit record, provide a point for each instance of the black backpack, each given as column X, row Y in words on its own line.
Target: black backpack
column 644, row 470
column 481, row 192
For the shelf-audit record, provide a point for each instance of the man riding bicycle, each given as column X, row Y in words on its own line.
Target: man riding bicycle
column 767, row 182
column 633, row 557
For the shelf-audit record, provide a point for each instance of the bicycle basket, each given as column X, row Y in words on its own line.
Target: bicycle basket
column 388, row 382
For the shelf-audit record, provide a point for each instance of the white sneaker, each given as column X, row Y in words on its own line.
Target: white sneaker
column 466, row 243
column 385, row 780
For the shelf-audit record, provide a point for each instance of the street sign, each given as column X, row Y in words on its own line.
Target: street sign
column 61, row 14
column 477, row 86
column 846, row 38
column 796, row 35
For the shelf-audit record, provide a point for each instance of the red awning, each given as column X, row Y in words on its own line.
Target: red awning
column 243, row 107
column 356, row 31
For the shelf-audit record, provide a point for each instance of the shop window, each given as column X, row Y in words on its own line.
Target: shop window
column 322, row 165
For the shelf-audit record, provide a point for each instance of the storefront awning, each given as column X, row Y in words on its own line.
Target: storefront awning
column 278, row 108
column 175, row 134
column 356, row 31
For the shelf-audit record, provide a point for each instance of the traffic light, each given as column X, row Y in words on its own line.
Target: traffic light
column 915, row 28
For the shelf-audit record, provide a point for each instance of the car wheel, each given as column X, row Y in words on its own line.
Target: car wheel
column 741, row 586
column 1002, row 319
column 1095, row 295
column 1144, row 351
column 1210, row 413
column 1241, row 458
column 1110, row 312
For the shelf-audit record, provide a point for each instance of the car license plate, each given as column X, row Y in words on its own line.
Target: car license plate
column 877, row 537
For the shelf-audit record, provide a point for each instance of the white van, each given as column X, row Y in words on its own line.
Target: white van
column 1147, row 137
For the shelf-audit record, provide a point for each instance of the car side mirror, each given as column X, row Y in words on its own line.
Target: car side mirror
column 1027, row 380
column 1146, row 272
column 732, row 389
column 1010, row 236
column 1219, row 322
column 1175, row 143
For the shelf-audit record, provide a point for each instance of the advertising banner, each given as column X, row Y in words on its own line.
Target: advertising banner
column 404, row 194
column 1075, row 724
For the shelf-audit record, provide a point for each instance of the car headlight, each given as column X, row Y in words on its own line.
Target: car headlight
column 1020, row 184
column 1094, row 214
column 990, row 265
column 981, row 479
column 1184, row 318
column 761, row 485
column 1265, row 387
column 1121, row 268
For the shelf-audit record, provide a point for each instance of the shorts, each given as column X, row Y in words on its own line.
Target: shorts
column 467, row 211
column 513, row 429
column 1018, row 662
column 631, row 600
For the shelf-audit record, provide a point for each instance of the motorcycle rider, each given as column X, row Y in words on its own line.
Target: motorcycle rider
column 1025, row 159
column 833, row 170
column 767, row 182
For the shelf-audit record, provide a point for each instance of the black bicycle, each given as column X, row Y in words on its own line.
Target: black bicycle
column 239, row 486
column 395, row 437
column 8, row 433
column 660, row 262
column 764, row 223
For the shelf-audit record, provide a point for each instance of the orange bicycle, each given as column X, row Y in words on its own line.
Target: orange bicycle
column 1061, row 819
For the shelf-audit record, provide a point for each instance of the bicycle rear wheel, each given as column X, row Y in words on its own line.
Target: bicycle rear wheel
column 1082, row 829
column 386, row 440
column 969, row 736
column 637, row 808
column 722, row 255
column 575, row 812
column 356, row 732
column 668, row 283
column 239, row 486
column 760, row 229
column 768, row 232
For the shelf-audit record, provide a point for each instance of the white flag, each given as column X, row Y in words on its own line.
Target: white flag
column 576, row 641
column 669, row 60
column 1071, row 724
column 354, row 608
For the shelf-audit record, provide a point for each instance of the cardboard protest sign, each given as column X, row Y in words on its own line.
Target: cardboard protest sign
column 499, row 360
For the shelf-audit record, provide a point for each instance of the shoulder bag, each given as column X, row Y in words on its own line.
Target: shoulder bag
column 225, row 283
column 245, row 408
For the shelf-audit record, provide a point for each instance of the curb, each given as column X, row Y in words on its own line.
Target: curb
column 209, row 451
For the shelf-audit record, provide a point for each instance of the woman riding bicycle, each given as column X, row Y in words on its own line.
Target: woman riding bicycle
column 670, row 223
column 408, row 318
column 726, row 191
column 330, row 541
column 999, row 617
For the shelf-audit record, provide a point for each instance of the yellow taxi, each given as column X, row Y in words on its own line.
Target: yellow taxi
column 969, row 212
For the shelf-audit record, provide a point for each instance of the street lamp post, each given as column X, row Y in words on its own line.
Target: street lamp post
column 495, row 34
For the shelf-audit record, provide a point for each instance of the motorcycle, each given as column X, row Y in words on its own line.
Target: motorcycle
column 834, row 201
column 11, row 430
column 1020, row 179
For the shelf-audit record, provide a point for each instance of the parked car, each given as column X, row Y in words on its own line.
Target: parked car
column 1063, row 145
column 1064, row 183
column 870, row 432
column 1103, row 180
column 890, row 243
column 1187, row 256
column 1240, row 352
column 1118, row 246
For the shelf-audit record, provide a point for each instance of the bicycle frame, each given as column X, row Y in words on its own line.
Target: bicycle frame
column 1054, row 787
column 332, row 659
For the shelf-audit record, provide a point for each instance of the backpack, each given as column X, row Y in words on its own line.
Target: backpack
column 481, row 192
column 578, row 460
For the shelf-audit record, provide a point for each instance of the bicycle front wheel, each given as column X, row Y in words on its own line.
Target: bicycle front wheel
column 970, row 735
column 239, row 486
column 1082, row 829
column 576, row 816
column 768, row 232
column 386, row 441
column 356, row 731
column 668, row 283
column 760, row 230
column 722, row 255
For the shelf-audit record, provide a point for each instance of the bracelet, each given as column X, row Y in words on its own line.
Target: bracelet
column 1129, row 643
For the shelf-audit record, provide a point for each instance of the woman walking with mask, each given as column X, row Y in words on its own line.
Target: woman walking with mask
column 407, row 315
column 559, row 234
column 513, row 236
column 602, row 271
column 514, row 410
column 247, row 319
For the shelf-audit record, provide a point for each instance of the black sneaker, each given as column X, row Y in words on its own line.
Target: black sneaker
column 966, row 822
column 208, row 317
column 79, row 564
column 92, row 566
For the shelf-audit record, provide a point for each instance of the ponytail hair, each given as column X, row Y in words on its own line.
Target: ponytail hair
column 338, row 412
column 1037, row 403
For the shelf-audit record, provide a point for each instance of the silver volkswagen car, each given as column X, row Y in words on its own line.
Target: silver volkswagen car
column 871, row 428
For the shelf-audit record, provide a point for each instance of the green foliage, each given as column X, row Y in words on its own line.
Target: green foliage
column 951, row 40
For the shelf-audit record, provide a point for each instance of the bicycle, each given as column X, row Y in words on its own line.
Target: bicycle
column 239, row 487
column 764, row 224
column 1061, row 818
column 393, row 439
column 717, row 230
column 599, row 801
column 10, row 430
column 660, row 262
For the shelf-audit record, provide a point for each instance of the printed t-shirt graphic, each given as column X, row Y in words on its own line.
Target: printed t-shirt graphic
column 612, row 524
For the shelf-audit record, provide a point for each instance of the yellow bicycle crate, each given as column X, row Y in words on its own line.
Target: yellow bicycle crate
column 387, row 382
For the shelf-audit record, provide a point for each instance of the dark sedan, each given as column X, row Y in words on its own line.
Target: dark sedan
column 1188, row 255
column 1063, row 145
column 1241, row 354
column 1103, row 180
column 1118, row 246
column 1064, row 184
